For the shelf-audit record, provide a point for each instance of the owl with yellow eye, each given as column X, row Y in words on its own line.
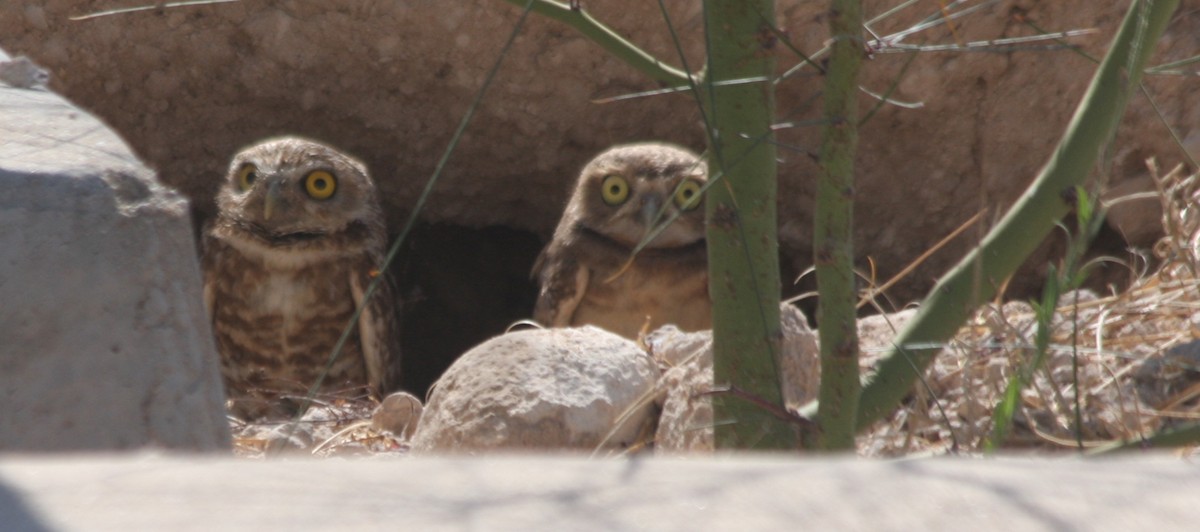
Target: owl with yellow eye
column 648, row 195
column 297, row 239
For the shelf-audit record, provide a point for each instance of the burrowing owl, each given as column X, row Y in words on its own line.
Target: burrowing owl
column 297, row 239
column 589, row 273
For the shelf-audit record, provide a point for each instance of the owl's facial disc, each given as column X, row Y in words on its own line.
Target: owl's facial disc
column 648, row 214
column 645, row 192
column 289, row 206
column 667, row 233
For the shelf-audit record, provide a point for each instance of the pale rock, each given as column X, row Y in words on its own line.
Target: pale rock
column 22, row 73
column 105, row 342
column 563, row 389
column 876, row 334
column 685, row 423
column 398, row 414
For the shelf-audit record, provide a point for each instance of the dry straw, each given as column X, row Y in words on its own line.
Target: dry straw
column 1139, row 371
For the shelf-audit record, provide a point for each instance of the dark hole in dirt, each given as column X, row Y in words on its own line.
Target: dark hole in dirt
column 461, row 286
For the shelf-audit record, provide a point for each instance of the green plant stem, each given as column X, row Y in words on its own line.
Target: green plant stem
column 1182, row 436
column 833, row 246
column 609, row 40
column 977, row 276
column 742, row 242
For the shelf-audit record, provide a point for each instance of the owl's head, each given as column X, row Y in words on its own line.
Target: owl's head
column 290, row 186
column 628, row 190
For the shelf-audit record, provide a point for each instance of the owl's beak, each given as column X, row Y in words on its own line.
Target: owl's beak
column 270, row 204
column 650, row 207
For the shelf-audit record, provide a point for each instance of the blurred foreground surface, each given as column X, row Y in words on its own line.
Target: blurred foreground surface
column 754, row 492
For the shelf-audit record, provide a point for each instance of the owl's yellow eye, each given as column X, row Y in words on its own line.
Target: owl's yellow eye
column 687, row 196
column 614, row 189
column 246, row 176
column 320, row 184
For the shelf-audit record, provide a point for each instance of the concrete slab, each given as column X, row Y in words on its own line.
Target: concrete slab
column 147, row 492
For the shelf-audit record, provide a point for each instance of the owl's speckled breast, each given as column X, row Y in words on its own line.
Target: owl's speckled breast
column 286, row 327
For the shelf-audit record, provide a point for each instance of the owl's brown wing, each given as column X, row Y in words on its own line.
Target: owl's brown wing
column 209, row 248
column 377, row 326
column 564, row 282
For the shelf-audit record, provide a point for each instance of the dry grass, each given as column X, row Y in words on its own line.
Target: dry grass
column 329, row 428
column 1138, row 370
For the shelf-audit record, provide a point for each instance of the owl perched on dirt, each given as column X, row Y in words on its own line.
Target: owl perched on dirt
column 589, row 273
column 298, row 237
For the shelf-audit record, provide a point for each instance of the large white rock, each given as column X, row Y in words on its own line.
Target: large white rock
column 579, row 388
column 104, row 343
